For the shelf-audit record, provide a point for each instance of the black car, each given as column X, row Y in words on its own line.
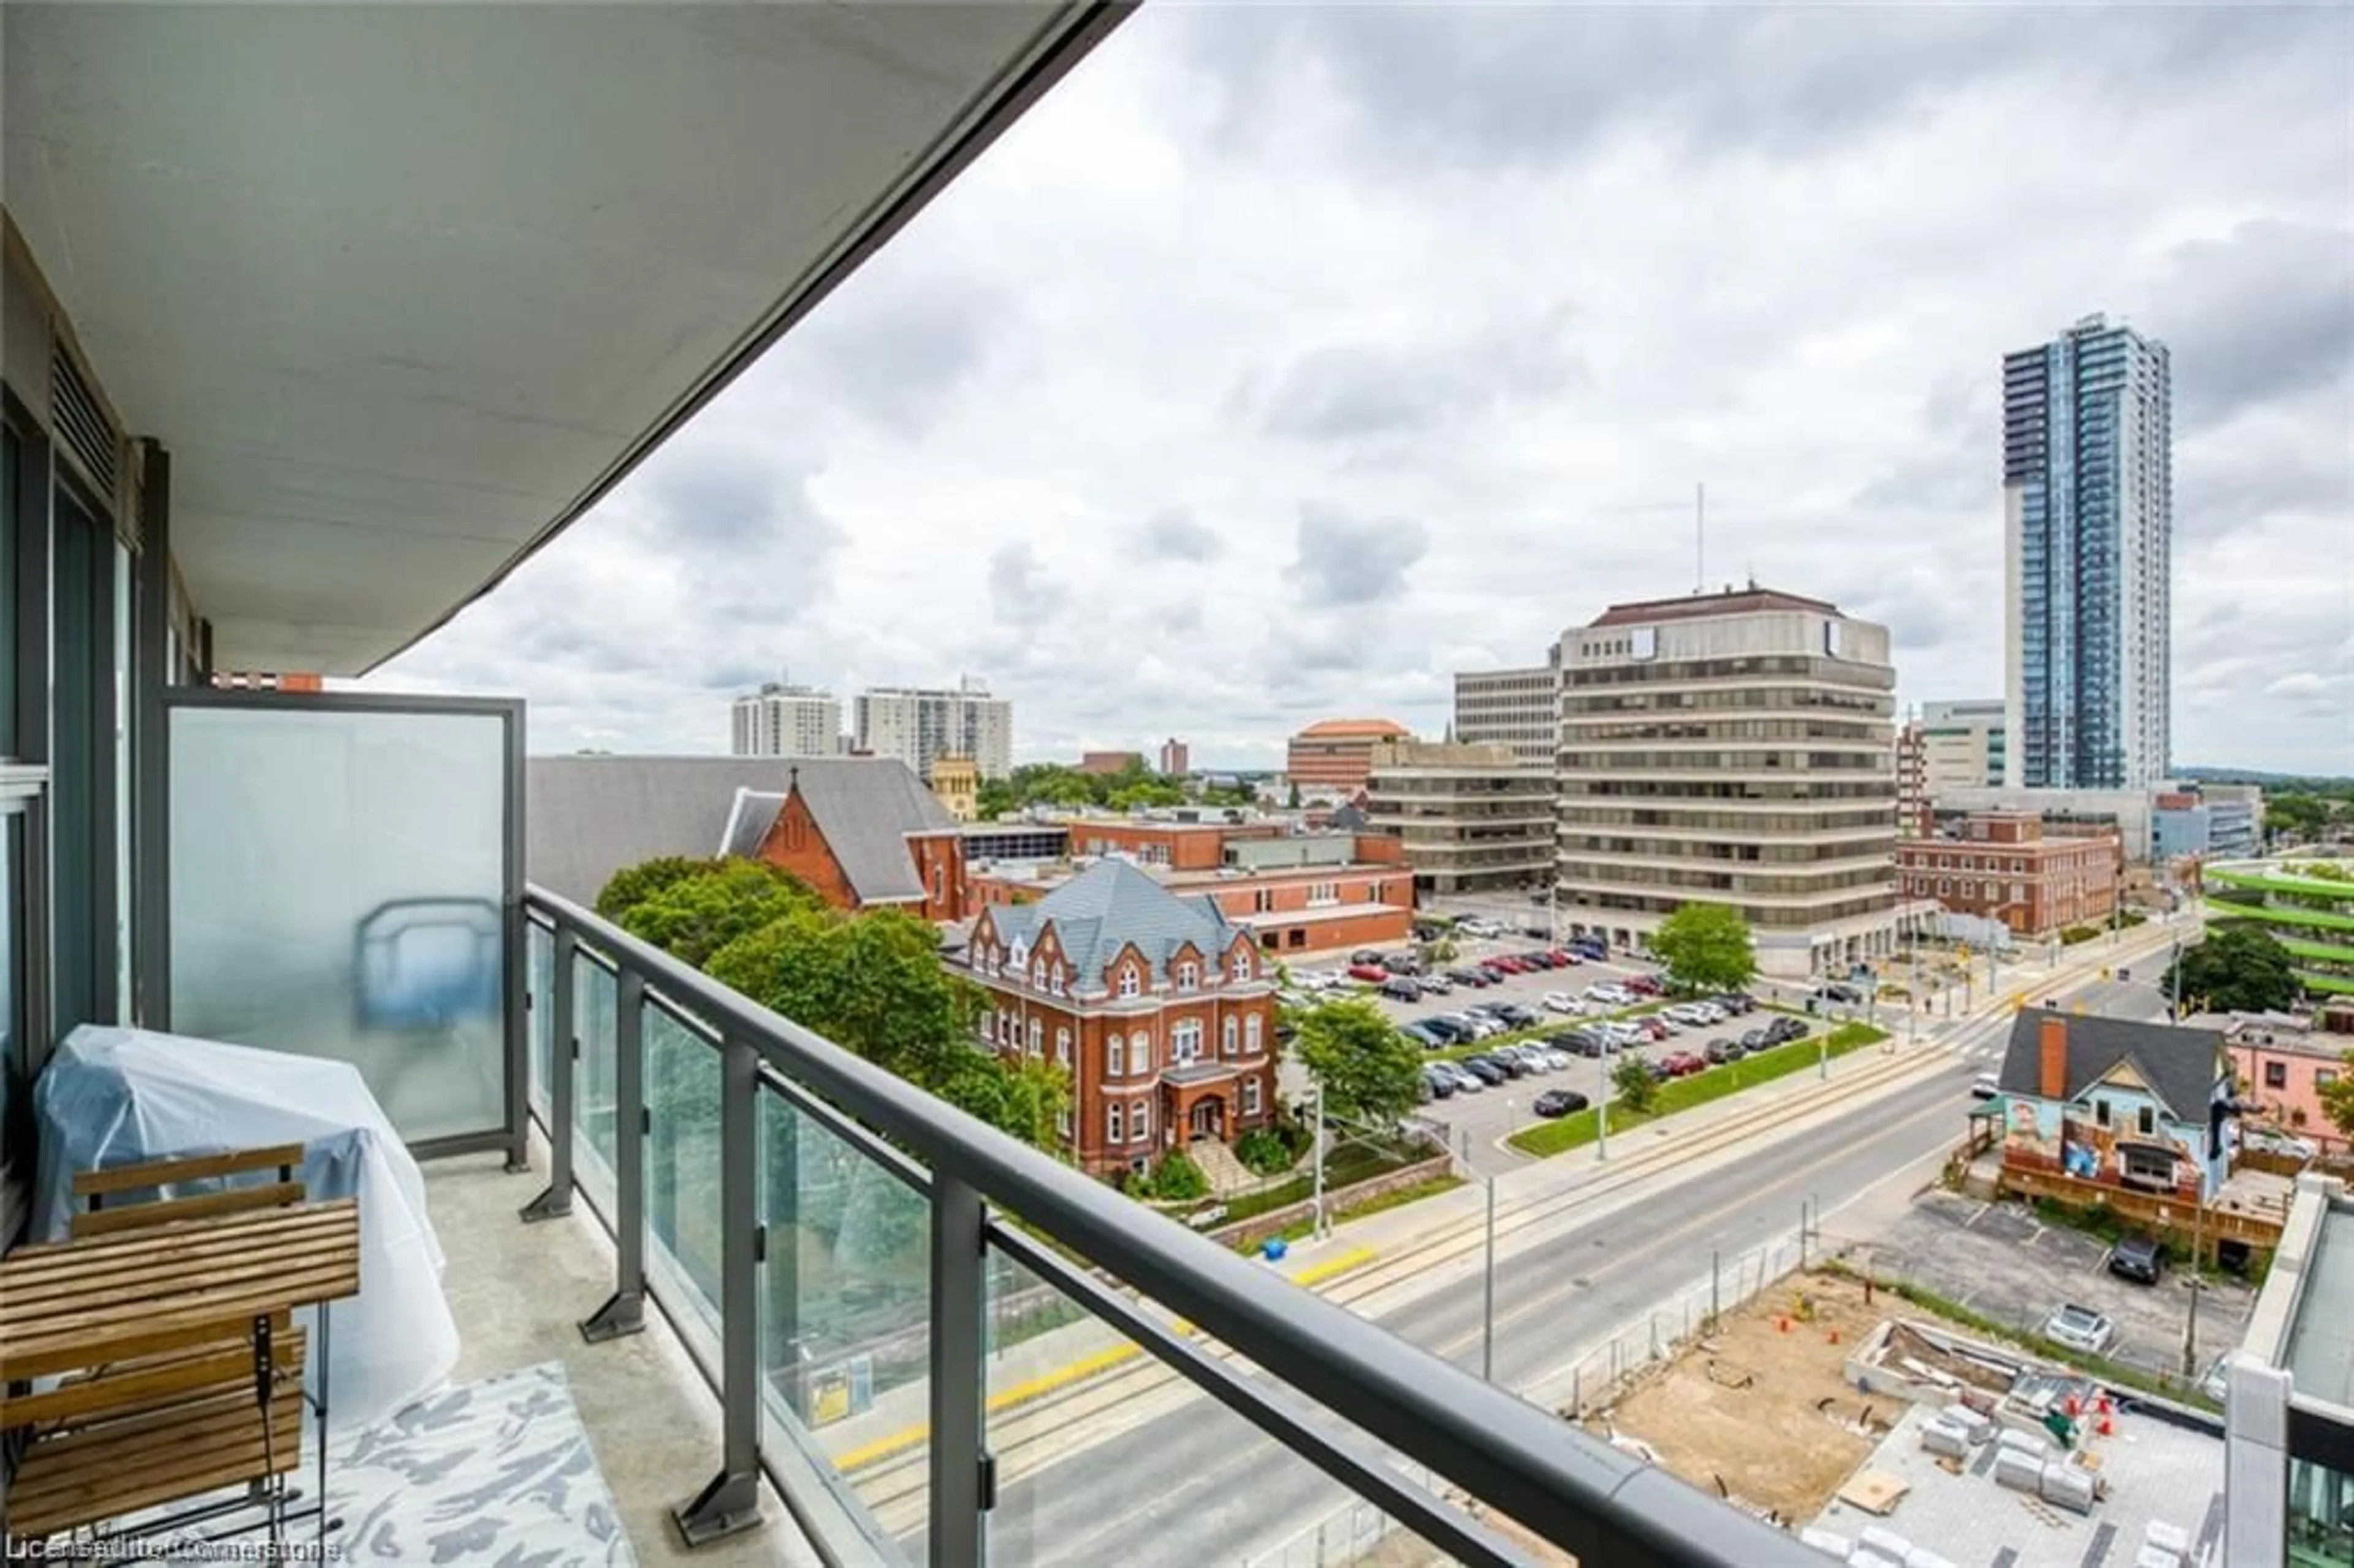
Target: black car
column 1447, row 1029
column 1440, row 1085
column 1720, row 1051
column 1514, row 1066
column 1577, row 1043
column 1519, row 1017
column 1472, row 977
column 1757, row 1040
column 2138, row 1258
column 1789, row 1028
column 1366, row 955
column 1483, row 1069
column 1561, row 1102
column 1542, row 957
column 1397, row 988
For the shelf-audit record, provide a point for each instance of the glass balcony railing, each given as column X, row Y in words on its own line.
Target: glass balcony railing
column 940, row 1345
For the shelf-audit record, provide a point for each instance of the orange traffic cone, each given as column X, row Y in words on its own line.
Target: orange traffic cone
column 1834, row 1336
column 2107, row 1427
column 2072, row 1406
column 1781, row 1325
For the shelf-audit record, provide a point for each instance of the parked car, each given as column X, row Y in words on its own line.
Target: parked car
column 1755, row 1041
column 1435, row 984
column 2080, row 1329
column 1371, row 974
column 1366, row 955
column 1563, row 1001
column 1682, row 1063
column 1840, row 993
column 1398, row 988
column 1594, row 950
column 1610, row 993
column 1561, row 1102
column 1473, row 978
column 2216, row 1385
column 1465, row 1081
column 1556, row 1058
column 1446, row 1027
column 1986, row 1086
column 1734, row 1002
column 1529, row 1057
column 1577, row 1043
column 2138, row 1258
column 1786, row 1027
column 1441, row 1082
column 1543, row 958
column 1482, row 1068
column 1644, row 985
column 1721, row 1051
column 1563, row 959
column 1519, row 1017
column 1422, row 1035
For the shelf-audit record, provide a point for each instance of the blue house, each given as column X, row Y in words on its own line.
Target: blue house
column 2143, row 1107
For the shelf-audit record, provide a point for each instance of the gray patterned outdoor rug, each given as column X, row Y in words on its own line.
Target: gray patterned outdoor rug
column 494, row 1472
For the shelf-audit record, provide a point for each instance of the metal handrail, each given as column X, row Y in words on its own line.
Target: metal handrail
column 1569, row 1487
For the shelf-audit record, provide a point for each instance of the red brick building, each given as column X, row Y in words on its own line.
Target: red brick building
column 1161, row 1009
column 1333, row 758
column 1181, row 846
column 2000, row 865
column 863, row 833
column 1106, row 764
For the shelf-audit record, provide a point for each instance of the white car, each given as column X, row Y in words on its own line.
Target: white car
column 1986, row 1086
column 1563, row 1001
column 2080, row 1329
column 1616, row 995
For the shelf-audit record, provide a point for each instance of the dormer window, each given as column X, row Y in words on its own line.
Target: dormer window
column 1189, row 976
column 1059, row 977
column 1128, row 982
column 1038, row 974
column 1242, row 967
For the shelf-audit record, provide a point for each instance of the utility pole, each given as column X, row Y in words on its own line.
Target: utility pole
column 1602, row 1107
column 1320, row 1231
column 2198, row 1282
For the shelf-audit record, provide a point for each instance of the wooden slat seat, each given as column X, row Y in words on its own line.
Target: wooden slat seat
column 106, row 1470
column 96, row 1187
column 148, row 1382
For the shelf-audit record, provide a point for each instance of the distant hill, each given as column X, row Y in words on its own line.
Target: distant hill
column 2270, row 780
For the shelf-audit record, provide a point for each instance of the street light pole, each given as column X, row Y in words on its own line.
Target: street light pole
column 1488, row 1300
column 2198, row 1283
column 1602, row 1105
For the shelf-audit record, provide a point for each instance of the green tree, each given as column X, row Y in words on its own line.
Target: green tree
column 1635, row 1087
column 694, row 916
column 1706, row 948
column 1178, row 1179
column 2303, row 815
column 994, row 798
column 1369, row 1073
column 1292, row 799
column 633, row 885
column 2238, row 969
column 2338, row 1099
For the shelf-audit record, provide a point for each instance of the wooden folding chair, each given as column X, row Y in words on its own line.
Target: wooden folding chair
column 105, row 1218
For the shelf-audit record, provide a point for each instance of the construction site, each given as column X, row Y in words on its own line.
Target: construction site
column 1887, row 1437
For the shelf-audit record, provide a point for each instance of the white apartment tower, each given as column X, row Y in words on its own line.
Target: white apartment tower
column 920, row 726
column 1731, row 748
column 786, row 721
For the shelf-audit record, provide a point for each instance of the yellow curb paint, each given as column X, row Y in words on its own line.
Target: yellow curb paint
column 1005, row 1399
column 1317, row 1272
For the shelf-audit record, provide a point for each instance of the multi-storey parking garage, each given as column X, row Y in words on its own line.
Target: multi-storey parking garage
column 2308, row 905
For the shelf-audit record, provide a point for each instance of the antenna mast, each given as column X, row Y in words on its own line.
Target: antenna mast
column 1700, row 537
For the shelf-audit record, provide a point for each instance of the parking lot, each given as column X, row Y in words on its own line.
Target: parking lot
column 2003, row 1262
column 1477, row 1123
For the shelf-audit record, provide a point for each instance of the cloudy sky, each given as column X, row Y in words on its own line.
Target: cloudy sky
column 1285, row 361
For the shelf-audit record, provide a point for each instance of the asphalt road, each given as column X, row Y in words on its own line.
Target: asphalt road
column 1199, row 1486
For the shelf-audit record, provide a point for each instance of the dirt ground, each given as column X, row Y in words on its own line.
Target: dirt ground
column 1758, row 1415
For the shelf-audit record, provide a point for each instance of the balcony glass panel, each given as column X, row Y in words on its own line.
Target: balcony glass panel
column 1106, row 1455
column 595, row 1085
column 337, row 879
column 845, row 1315
column 683, row 1207
column 539, row 976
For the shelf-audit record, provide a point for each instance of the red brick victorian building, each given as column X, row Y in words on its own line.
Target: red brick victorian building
column 1161, row 1007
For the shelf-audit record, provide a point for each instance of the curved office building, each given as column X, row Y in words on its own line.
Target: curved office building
column 2313, row 916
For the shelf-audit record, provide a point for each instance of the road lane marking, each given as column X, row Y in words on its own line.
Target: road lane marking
column 1005, row 1399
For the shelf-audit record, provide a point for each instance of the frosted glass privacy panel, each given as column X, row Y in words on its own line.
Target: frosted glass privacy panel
column 338, row 889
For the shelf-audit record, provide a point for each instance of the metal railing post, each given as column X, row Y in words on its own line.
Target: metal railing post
column 563, row 1059
column 624, row 1312
column 731, row 1501
column 962, row 1484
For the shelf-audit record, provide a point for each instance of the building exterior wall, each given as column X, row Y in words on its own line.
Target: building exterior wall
column 1965, row 745
column 2089, row 511
column 786, row 721
column 1076, row 1028
column 2127, row 813
column 1333, row 758
column 1912, row 781
column 795, row 844
column 2087, row 1138
column 1995, row 869
column 1466, row 817
column 940, row 865
column 1518, row 709
column 1176, row 760
column 2283, row 1071
column 921, row 726
column 956, row 781
column 1181, row 846
column 1731, row 748
column 1108, row 763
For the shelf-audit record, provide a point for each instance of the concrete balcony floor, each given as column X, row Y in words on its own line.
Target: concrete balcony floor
column 518, row 1291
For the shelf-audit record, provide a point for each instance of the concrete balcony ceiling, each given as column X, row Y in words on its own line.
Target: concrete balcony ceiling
column 406, row 289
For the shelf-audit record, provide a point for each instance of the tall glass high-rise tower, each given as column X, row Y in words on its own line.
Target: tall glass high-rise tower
column 2088, row 525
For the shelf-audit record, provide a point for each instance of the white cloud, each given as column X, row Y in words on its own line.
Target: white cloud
column 1279, row 362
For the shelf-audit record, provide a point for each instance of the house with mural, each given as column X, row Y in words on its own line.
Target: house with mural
column 2140, row 1109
